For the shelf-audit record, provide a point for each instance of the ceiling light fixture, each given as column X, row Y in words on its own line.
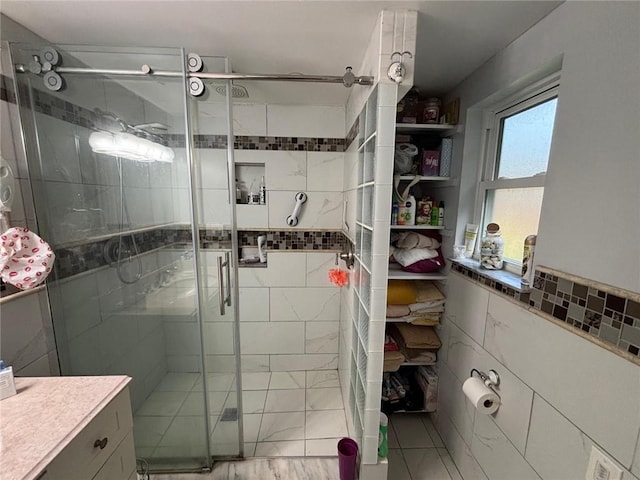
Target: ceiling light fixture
column 126, row 145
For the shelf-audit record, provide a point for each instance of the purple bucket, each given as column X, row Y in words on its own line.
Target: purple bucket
column 347, row 457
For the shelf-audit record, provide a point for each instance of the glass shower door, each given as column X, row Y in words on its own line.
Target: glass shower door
column 131, row 293
column 214, row 210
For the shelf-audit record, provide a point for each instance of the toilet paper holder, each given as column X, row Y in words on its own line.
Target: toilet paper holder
column 491, row 379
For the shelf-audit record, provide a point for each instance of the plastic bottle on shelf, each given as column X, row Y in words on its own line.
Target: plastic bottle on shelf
column 434, row 214
column 263, row 192
column 407, row 211
column 441, row 214
column 394, row 213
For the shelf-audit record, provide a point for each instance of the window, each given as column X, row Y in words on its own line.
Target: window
column 517, row 141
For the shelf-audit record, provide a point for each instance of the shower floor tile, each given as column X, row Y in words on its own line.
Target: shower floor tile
column 280, row 416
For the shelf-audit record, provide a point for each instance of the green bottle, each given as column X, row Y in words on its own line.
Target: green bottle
column 434, row 214
column 383, row 445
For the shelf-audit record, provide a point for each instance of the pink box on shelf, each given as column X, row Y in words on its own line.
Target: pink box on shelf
column 431, row 163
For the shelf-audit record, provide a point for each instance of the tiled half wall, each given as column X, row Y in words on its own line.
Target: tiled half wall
column 606, row 315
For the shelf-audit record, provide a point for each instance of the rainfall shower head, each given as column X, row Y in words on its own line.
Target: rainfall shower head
column 237, row 91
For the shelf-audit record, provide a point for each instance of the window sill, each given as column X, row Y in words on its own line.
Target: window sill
column 503, row 277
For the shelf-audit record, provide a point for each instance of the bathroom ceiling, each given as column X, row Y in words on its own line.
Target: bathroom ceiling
column 304, row 36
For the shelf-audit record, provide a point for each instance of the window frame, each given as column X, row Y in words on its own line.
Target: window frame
column 526, row 98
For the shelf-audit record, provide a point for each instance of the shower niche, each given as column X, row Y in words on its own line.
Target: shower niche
column 251, row 195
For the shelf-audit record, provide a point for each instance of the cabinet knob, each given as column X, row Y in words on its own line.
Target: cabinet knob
column 100, row 443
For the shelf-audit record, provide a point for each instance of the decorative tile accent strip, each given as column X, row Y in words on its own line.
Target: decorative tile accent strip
column 502, row 285
column 49, row 104
column 294, row 240
column 608, row 313
column 353, row 133
column 81, row 258
column 306, row 144
column 7, row 92
column 76, row 259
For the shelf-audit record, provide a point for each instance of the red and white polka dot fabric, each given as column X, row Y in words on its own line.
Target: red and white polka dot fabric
column 25, row 258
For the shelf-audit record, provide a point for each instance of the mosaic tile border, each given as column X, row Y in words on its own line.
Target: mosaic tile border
column 609, row 316
column 483, row 279
column 612, row 315
column 7, row 92
column 295, row 240
column 76, row 259
column 353, row 133
column 48, row 104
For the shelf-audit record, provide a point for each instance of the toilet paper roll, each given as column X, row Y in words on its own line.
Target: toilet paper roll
column 482, row 397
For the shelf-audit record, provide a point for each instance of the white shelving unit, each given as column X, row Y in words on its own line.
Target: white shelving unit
column 417, row 227
column 394, row 270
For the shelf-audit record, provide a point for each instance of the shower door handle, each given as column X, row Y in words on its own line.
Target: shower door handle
column 222, row 298
column 227, row 265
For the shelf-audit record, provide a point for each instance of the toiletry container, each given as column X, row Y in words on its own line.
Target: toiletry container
column 492, row 248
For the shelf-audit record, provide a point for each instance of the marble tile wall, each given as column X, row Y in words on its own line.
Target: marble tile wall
column 290, row 313
column 557, row 391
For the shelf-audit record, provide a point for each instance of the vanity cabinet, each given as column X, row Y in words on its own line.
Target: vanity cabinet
column 68, row 428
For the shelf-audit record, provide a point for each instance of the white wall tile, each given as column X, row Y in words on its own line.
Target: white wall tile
column 305, row 121
column 304, row 304
column 218, row 338
column 253, row 304
column 215, row 208
column 321, row 210
column 181, row 338
column 285, row 170
column 37, row 368
column 23, row 338
column 453, row 403
column 556, row 448
column 496, row 454
column 516, row 397
column 467, row 306
column 283, row 270
column 249, row 119
column 252, row 216
column 321, row 337
column 318, row 266
column 272, row 337
column 214, row 172
column 292, row 363
column 518, row 339
column 325, row 171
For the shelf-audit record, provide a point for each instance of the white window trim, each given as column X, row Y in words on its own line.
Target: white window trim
column 536, row 93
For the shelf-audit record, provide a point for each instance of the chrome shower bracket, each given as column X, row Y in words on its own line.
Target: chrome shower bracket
column 397, row 70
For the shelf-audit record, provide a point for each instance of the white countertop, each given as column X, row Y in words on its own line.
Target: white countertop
column 39, row 421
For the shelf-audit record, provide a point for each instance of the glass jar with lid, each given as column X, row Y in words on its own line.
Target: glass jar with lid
column 492, row 248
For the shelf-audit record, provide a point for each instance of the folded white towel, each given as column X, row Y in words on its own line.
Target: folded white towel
column 415, row 240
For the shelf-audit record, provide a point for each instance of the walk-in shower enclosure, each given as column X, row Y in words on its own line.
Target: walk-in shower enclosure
column 145, row 282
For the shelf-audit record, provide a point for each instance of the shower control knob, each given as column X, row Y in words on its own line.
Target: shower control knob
column 50, row 54
column 52, row 81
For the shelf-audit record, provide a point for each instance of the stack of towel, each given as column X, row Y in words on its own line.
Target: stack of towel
column 417, row 302
column 416, row 252
column 415, row 307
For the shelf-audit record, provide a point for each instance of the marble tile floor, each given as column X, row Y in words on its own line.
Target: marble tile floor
column 416, row 451
column 292, row 414
column 266, row 469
